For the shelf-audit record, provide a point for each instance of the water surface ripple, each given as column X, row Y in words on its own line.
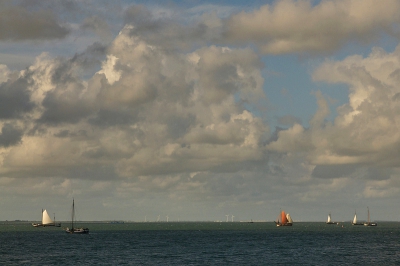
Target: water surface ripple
column 202, row 244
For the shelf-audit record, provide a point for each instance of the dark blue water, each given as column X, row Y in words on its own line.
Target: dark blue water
column 203, row 244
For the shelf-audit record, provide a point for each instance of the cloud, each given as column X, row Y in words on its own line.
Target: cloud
column 18, row 23
column 99, row 26
column 387, row 188
column 365, row 131
column 166, row 29
column 366, row 128
column 146, row 112
column 333, row 171
column 15, row 97
column 292, row 139
column 290, row 26
column 10, row 135
column 58, row 87
column 4, row 73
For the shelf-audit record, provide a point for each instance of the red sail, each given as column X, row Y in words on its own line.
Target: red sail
column 283, row 218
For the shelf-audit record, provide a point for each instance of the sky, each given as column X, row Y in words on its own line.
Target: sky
column 196, row 110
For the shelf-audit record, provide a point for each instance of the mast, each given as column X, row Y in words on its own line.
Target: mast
column 368, row 215
column 73, row 214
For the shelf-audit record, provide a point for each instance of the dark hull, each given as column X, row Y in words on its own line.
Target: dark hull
column 371, row 224
column 280, row 224
column 73, row 230
column 77, row 231
column 331, row 223
column 357, row 224
column 46, row 225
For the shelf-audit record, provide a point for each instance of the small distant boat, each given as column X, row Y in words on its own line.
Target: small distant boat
column 73, row 230
column 46, row 221
column 286, row 220
column 368, row 223
column 354, row 222
column 329, row 221
column 116, row 222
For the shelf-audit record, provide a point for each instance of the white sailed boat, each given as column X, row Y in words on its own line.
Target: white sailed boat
column 355, row 220
column 329, row 221
column 46, row 221
column 368, row 223
column 73, row 230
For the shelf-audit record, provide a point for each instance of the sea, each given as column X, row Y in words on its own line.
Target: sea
column 201, row 243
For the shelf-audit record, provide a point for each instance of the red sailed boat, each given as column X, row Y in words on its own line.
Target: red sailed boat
column 285, row 219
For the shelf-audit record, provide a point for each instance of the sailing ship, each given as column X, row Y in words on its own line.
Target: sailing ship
column 73, row 230
column 46, row 220
column 286, row 220
column 354, row 222
column 329, row 221
column 368, row 223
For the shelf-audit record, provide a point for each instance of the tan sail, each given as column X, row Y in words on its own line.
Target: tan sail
column 46, row 220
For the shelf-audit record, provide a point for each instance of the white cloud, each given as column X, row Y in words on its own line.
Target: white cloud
column 169, row 114
column 365, row 132
column 290, row 26
column 4, row 72
column 108, row 69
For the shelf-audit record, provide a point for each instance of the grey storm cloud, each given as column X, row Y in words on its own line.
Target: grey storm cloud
column 333, row 171
column 18, row 24
column 97, row 25
column 15, row 97
column 10, row 135
column 63, row 105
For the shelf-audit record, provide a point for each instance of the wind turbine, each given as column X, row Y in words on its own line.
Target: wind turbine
column 227, row 217
column 232, row 218
column 167, row 218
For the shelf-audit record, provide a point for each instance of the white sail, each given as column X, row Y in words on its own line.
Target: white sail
column 329, row 218
column 289, row 218
column 355, row 219
column 46, row 218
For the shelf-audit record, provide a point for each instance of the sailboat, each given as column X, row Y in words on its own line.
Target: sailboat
column 329, row 221
column 354, row 222
column 286, row 220
column 46, row 220
column 75, row 230
column 368, row 223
